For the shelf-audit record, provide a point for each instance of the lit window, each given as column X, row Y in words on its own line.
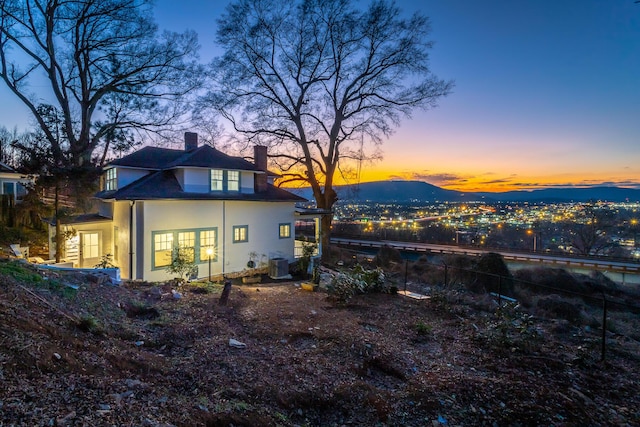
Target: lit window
column 217, row 180
column 162, row 247
column 187, row 242
column 240, row 233
column 285, row 231
column 90, row 245
column 208, row 244
column 111, row 180
column 233, row 181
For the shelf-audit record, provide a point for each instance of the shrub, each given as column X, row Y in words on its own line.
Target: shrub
column 343, row 286
column 560, row 308
column 492, row 275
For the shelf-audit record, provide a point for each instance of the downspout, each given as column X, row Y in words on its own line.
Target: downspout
column 131, row 204
column 224, row 234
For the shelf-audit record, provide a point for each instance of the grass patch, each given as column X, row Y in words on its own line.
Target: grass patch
column 20, row 272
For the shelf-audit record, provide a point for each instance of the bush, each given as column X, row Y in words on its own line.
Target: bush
column 493, row 275
column 560, row 308
column 343, row 286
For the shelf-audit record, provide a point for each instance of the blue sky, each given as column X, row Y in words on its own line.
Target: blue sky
column 547, row 93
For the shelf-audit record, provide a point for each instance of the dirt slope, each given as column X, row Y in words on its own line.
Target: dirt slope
column 136, row 355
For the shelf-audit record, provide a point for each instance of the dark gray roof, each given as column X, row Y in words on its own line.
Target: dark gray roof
column 164, row 185
column 148, row 158
column 78, row 219
column 204, row 156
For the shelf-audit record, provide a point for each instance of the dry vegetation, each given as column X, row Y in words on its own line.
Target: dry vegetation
column 135, row 355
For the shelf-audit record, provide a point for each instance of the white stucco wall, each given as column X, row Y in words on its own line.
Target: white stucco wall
column 121, row 221
column 246, row 182
column 262, row 218
column 126, row 176
column 195, row 180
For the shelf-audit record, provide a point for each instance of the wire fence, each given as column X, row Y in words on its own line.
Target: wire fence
column 568, row 301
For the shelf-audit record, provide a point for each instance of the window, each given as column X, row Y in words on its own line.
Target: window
column 187, row 242
column 8, row 188
column 233, row 181
column 240, row 233
column 222, row 180
column 21, row 190
column 162, row 247
column 285, row 231
column 217, row 180
column 208, row 240
column 111, row 179
column 90, row 245
column 196, row 241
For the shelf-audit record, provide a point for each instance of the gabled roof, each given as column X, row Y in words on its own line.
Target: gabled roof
column 204, row 156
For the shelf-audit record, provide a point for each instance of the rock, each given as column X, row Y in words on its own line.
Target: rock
column 176, row 295
column 104, row 407
column 131, row 383
column 57, row 356
column 139, row 343
column 236, row 344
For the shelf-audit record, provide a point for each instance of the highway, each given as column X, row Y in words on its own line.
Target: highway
column 558, row 261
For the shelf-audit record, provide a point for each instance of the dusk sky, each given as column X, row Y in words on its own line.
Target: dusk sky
column 547, row 93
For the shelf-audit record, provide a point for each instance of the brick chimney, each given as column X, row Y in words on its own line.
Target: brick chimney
column 190, row 141
column 260, row 160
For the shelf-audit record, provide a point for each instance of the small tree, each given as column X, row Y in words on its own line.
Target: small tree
column 308, row 249
column 182, row 262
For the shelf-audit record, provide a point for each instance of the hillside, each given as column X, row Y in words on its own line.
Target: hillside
column 137, row 355
column 412, row 191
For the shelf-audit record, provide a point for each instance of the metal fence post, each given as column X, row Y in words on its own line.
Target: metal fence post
column 604, row 328
column 406, row 269
column 445, row 275
column 500, row 291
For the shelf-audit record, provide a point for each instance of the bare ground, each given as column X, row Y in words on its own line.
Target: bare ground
column 136, row 355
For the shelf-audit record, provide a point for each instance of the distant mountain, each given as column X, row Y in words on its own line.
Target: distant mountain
column 418, row 191
column 609, row 194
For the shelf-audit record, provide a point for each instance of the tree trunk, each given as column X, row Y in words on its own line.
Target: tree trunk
column 58, row 227
column 325, row 228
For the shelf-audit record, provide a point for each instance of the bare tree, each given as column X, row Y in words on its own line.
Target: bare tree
column 589, row 231
column 313, row 78
column 106, row 70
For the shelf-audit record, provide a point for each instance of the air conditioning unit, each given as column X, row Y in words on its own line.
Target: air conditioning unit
column 279, row 268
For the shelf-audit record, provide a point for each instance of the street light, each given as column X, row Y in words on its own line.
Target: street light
column 209, row 253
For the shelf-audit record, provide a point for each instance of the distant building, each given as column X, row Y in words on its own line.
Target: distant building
column 12, row 182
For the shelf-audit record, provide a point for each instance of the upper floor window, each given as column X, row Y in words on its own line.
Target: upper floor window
column 217, row 180
column 111, row 179
column 233, row 181
column 222, row 180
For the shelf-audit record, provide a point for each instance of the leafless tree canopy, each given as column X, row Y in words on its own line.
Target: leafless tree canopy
column 314, row 78
column 104, row 68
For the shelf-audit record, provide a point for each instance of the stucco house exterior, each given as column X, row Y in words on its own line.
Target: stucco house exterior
column 223, row 208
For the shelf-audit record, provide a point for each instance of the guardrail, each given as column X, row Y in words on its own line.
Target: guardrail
column 568, row 261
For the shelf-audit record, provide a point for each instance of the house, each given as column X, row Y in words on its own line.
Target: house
column 12, row 182
column 224, row 210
